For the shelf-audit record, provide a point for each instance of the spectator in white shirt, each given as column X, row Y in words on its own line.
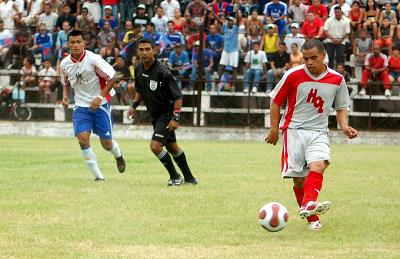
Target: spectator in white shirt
column 5, row 42
column 294, row 37
column 48, row 18
column 46, row 79
column 343, row 5
column 169, row 7
column 160, row 21
column 256, row 64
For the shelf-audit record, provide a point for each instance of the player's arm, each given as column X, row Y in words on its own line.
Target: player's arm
column 273, row 135
column 98, row 100
column 66, row 88
column 341, row 117
column 135, row 103
column 174, row 123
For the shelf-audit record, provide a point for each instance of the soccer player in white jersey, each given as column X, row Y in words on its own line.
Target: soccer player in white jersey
column 309, row 91
column 92, row 79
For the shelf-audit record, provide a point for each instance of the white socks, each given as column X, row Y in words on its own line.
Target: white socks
column 91, row 161
column 115, row 149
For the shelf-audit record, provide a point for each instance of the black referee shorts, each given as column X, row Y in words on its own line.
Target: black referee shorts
column 161, row 133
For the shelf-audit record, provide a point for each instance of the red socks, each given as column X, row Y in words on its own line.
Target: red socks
column 299, row 193
column 312, row 186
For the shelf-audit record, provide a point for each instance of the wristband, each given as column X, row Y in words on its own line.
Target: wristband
column 135, row 104
column 177, row 114
column 100, row 97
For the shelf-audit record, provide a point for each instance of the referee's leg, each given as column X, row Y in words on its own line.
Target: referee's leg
column 180, row 159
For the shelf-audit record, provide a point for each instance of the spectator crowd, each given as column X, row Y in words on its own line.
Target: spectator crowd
column 259, row 40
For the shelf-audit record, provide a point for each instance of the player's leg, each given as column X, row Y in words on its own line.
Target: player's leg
column 298, row 189
column 180, row 159
column 82, row 128
column 317, row 157
column 103, row 128
column 159, row 139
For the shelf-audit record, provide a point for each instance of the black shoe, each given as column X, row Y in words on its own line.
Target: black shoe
column 193, row 181
column 121, row 164
column 99, row 179
column 175, row 182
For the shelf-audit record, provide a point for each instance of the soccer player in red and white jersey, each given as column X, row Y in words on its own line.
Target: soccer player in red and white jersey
column 92, row 79
column 309, row 91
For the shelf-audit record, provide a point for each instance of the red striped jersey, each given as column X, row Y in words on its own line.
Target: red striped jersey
column 309, row 99
column 87, row 76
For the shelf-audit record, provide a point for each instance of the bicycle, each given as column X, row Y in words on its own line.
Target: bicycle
column 12, row 103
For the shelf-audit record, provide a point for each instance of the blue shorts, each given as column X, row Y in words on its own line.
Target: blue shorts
column 99, row 122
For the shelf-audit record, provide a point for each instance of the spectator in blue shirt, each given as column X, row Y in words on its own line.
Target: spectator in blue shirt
column 215, row 42
column 208, row 63
column 43, row 42
column 109, row 18
column 151, row 34
column 171, row 38
column 62, row 39
column 230, row 54
column 179, row 64
column 277, row 11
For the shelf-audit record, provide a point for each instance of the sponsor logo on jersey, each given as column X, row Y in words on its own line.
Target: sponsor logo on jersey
column 153, row 85
column 316, row 100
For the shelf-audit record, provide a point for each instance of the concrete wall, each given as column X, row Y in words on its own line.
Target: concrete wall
column 64, row 129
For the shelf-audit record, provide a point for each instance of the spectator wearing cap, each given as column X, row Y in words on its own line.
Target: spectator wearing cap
column 160, row 21
column 294, row 37
column 108, row 17
column 113, row 4
column 337, row 30
column 140, row 17
column 151, row 33
column 208, row 63
column 148, row 5
column 277, row 11
column 256, row 65
column 230, row 54
column 271, row 41
column 179, row 64
column 161, row 54
column 105, row 33
column 65, row 16
column 312, row 27
column 297, row 11
column 94, row 9
column 5, row 43
column 321, row 11
column 169, row 7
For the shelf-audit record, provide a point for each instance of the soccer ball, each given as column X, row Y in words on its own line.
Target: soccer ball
column 273, row 216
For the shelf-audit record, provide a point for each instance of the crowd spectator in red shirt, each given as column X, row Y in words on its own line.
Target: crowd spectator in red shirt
column 376, row 65
column 313, row 27
column 394, row 65
column 356, row 16
column 320, row 11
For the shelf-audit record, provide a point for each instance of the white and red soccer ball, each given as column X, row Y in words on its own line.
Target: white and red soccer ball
column 273, row 216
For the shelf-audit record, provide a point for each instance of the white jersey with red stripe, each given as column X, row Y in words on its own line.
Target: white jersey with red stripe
column 87, row 76
column 309, row 99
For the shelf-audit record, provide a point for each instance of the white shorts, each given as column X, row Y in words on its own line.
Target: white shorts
column 229, row 59
column 300, row 148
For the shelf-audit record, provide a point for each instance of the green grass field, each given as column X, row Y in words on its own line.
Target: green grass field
column 50, row 207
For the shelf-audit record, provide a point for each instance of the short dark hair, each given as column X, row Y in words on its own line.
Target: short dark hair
column 313, row 43
column 142, row 41
column 337, row 8
column 75, row 33
column 151, row 24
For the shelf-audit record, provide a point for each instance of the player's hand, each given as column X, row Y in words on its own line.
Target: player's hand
column 65, row 102
column 95, row 104
column 350, row 132
column 172, row 125
column 272, row 137
column 131, row 113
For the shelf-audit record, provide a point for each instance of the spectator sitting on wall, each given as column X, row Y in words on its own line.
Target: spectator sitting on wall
column 256, row 65
column 122, row 79
column 84, row 21
column 312, row 27
column 151, row 34
column 5, row 43
column 46, row 78
column 160, row 21
column 65, row 16
column 28, row 73
column 279, row 65
column 208, row 63
column 179, row 64
column 394, row 66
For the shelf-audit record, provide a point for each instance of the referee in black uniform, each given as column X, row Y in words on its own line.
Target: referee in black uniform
column 156, row 86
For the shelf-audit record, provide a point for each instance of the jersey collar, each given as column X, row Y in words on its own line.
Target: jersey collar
column 318, row 77
column 80, row 59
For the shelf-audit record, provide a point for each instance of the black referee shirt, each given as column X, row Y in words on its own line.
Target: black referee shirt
column 158, row 88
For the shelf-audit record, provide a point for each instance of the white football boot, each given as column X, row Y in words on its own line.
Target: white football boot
column 314, row 208
column 315, row 225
